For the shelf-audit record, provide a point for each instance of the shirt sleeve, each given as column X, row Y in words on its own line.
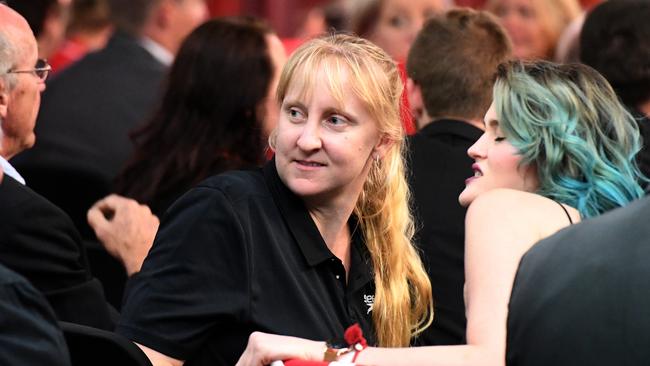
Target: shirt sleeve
column 30, row 334
column 194, row 280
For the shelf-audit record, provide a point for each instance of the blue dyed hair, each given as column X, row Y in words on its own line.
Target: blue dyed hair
column 566, row 121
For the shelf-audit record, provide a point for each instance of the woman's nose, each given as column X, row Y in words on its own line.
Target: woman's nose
column 309, row 138
column 477, row 150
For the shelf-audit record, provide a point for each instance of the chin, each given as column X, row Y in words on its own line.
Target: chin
column 466, row 197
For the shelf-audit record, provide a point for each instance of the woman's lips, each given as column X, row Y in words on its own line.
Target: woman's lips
column 477, row 174
column 308, row 164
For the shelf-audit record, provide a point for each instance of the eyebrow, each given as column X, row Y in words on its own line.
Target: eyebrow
column 491, row 123
column 348, row 116
column 293, row 103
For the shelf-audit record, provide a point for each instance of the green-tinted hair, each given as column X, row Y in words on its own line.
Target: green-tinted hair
column 567, row 122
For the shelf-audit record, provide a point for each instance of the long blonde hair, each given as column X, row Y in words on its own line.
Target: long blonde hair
column 403, row 304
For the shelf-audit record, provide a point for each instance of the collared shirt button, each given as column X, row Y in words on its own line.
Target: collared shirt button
column 338, row 277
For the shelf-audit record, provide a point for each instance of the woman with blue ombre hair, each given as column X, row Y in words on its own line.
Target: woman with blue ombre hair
column 558, row 147
column 566, row 121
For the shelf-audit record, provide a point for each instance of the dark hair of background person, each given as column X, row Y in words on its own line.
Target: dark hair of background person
column 210, row 117
column 130, row 15
column 615, row 40
column 454, row 60
column 34, row 11
column 89, row 15
column 364, row 18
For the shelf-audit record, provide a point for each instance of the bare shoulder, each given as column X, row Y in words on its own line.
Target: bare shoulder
column 507, row 202
column 518, row 212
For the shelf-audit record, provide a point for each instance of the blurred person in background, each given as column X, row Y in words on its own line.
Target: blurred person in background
column 534, row 25
column 48, row 19
column 451, row 69
column 216, row 114
column 615, row 40
column 89, row 109
column 392, row 24
column 88, row 30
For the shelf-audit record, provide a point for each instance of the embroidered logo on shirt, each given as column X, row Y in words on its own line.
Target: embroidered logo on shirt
column 370, row 301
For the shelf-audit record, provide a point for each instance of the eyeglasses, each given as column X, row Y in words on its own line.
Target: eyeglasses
column 41, row 70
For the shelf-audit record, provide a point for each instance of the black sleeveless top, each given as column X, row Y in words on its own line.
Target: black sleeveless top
column 566, row 212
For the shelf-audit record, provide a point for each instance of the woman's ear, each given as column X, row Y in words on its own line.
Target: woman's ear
column 414, row 95
column 382, row 147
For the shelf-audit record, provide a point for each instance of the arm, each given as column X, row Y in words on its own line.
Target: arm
column 158, row 359
column 497, row 234
column 125, row 228
column 175, row 304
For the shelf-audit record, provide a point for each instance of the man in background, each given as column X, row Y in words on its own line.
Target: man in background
column 451, row 68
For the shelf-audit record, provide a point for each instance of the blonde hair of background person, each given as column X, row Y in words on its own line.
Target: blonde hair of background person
column 402, row 305
column 392, row 24
column 535, row 26
column 556, row 135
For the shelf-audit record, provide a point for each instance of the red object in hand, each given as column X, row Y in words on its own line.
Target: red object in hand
column 354, row 335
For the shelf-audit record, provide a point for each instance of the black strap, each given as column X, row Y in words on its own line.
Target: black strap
column 566, row 212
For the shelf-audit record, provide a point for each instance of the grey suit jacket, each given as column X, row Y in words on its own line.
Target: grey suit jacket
column 582, row 296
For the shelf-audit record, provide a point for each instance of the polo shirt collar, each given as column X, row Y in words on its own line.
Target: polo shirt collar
column 297, row 217
column 360, row 262
column 304, row 229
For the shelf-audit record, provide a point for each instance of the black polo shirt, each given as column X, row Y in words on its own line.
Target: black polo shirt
column 236, row 254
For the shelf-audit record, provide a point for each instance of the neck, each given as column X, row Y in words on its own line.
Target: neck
column 7, row 148
column 332, row 223
column 94, row 39
column 164, row 39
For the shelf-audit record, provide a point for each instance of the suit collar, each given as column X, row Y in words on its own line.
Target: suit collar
column 11, row 171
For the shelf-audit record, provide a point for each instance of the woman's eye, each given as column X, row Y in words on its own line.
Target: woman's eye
column 397, row 21
column 336, row 120
column 526, row 12
column 499, row 139
column 294, row 113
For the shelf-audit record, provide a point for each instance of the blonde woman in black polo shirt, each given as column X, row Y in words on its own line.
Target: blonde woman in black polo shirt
column 316, row 240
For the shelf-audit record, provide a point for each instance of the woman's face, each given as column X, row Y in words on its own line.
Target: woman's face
column 278, row 59
column 399, row 22
column 523, row 22
column 497, row 164
column 324, row 149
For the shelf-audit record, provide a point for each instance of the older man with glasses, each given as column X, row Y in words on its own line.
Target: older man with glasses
column 37, row 240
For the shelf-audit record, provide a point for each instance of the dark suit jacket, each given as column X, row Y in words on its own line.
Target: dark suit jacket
column 439, row 166
column 82, row 129
column 30, row 335
column 582, row 296
column 38, row 241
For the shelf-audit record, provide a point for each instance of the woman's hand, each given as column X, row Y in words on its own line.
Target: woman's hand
column 264, row 348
